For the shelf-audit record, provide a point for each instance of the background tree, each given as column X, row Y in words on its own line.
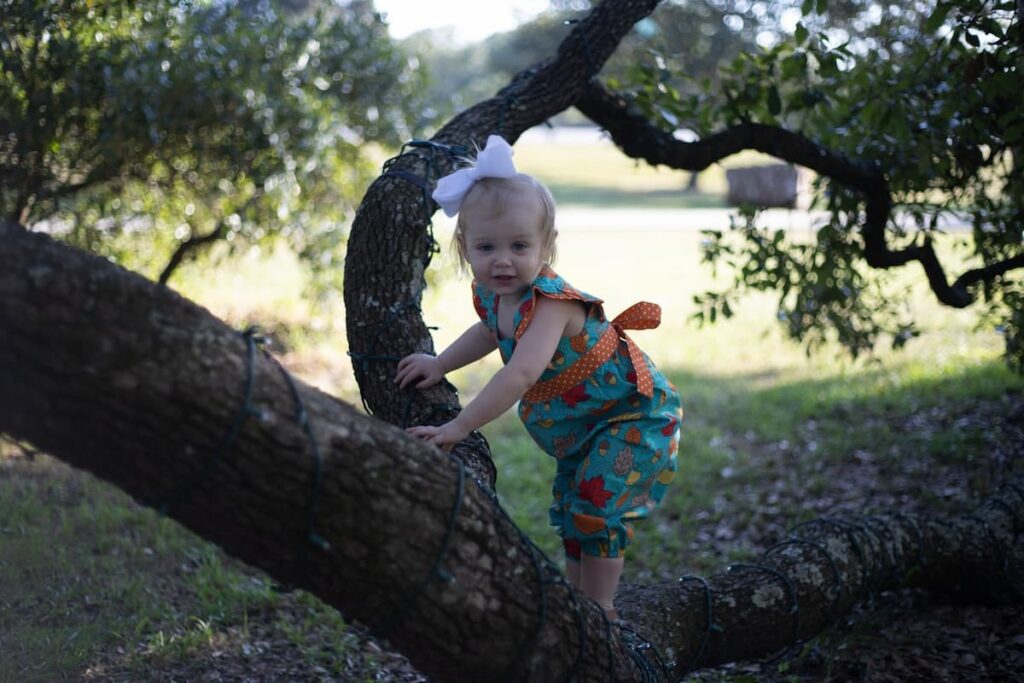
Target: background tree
column 144, row 131
column 925, row 113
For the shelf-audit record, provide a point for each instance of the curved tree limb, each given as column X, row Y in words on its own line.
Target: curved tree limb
column 639, row 139
column 186, row 247
column 124, row 378
column 389, row 246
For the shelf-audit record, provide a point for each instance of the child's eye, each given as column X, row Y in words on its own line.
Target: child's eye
column 520, row 246
column 484, row 247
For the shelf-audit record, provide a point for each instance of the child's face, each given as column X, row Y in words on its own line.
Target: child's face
column 505, row 251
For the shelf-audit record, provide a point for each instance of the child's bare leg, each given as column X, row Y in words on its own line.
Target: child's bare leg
column 599, row 577
column 572, row 570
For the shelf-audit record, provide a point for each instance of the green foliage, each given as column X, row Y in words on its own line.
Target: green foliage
column 130, row 128
column 688, row 37
column 928, row 93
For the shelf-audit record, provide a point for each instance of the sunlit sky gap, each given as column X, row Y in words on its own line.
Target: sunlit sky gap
column 472, row 20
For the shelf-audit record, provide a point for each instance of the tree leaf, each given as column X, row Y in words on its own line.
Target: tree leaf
column 800, row 34
column 774, row 101
column 937, row 17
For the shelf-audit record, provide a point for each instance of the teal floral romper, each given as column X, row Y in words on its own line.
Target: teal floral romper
column 603, row 411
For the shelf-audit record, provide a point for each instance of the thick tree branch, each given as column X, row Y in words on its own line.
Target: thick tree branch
column 388, row 250
column 639, row 139
column 119, row 376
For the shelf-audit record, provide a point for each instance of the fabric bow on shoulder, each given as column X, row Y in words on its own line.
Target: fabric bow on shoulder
column 493, row 161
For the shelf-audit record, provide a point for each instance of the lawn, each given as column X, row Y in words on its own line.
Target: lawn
column 95, row 587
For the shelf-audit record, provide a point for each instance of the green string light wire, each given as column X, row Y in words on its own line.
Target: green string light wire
column 711, row 626
column 872, row 521
column 312, row 538
column 1004, row 564
column 848, row 532
column 878, row 555
column 873, row 576
column 836, row 590
column 183, row 491
column 922, row 561
column 636, row 646
column 794, row 608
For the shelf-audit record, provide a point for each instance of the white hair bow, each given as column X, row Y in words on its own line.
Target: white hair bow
column 493, row 161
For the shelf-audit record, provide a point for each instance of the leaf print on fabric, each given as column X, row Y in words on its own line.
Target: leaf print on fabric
column 563, row 444
column 623, row 461
column 593, row 490
column 604, row 407
column 643, row 500
column 579, row 342
column 634, row 436
column 577, row 394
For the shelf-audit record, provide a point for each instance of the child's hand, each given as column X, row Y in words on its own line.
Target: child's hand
column 444, row 437
column 419, row 365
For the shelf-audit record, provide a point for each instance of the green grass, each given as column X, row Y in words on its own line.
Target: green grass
column 600, row 175
column 91, row 581
column 730, row 418
column 84, row 570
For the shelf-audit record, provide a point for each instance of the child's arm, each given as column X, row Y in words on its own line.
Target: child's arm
column 472, row 345
column 533, row 352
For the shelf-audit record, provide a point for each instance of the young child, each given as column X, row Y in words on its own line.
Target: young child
column 587, row 395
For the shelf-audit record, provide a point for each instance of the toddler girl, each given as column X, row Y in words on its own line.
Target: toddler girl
column 587, row 395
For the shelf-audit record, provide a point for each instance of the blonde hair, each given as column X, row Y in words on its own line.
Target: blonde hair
column 493, row 196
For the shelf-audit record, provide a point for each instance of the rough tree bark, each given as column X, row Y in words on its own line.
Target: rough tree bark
column 125, row 379
column 130, row 381
column 388, row 249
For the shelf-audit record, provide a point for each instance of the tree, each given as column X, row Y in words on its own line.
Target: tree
column 147, row 130
column 914, row 124
column 98, row 366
